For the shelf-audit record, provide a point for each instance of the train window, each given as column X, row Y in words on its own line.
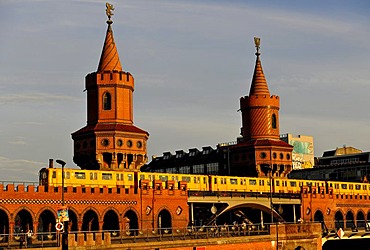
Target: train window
column 67, row 175
column 215, row 180
column 204, row 180
column 129, row 177
column 92, row 175
column 261, row 182
column 142, row 177
column 364, row 187
column 233, row 181
column 344, row 186
column 252, row 182
column 293, row 184
column 186, row 178
column 163, row 177
column 331, row 185
column 80, row 175
column 350, row 186
column 277, row 183
column 54, row 174
column 358, row 187
column 222, row 180
column 336, row 186
column 106, row 176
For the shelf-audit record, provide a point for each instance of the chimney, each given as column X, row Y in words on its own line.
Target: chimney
column 51, row 163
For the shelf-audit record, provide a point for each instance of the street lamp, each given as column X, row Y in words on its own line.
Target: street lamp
column 270, row 180
column 65, row 223
column 61, row 162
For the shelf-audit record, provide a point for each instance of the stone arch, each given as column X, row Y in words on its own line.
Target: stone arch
column 88, row 209
column 339, row 219
column 131, row 221
column 360, row 219
column 46, row 208
column 4, row 224
column 111, row 208
column 164, row 220
column 46, row 221
column 23, row 219
column 111, row 220
column 368, row 216
column 318, row 216
column 73, row 220
column 350, row 219
column 257, row 206
column 90, row 220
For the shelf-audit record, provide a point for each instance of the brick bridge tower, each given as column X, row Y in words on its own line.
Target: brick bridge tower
column 260, row 151
column 110, row 141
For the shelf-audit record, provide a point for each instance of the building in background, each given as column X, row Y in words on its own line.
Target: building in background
column 340, row 164
column 303, row 150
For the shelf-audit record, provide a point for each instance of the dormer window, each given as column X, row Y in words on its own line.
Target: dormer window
column 107, row 101
column 273, row 121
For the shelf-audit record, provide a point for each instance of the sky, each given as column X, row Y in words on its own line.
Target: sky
column 192, row 61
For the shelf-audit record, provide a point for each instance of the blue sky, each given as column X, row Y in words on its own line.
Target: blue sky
column 192, row 61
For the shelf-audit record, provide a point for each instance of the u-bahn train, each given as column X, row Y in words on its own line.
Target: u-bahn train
column 110, row 179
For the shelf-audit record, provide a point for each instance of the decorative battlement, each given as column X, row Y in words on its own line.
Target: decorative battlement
column 262, row 101
column 110, row 77
column 10, row 191
column 261, row 96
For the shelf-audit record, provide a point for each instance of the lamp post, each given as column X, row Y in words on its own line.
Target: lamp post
column 271, row 208
column 65, row 223
column 270, row 179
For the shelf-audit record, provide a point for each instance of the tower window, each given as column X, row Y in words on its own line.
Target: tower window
column 107, row 100
column 273, row 121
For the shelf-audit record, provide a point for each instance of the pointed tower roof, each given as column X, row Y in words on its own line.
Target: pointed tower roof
column 259, row 84
column 109, row 59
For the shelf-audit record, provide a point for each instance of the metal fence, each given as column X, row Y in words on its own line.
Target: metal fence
column 52, row 239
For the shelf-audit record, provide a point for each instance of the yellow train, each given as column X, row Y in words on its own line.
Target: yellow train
column 97, row 178
column 87, row 178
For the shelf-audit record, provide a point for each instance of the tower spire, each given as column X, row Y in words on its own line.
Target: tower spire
column 259, row 85
column 109, row 59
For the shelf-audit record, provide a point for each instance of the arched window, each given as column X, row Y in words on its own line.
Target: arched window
column 107, row 101
column 273, row 121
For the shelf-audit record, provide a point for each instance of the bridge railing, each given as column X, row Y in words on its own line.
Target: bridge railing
column 24, row 240
column 194, row 232
column 332, row 227
column 243, row 194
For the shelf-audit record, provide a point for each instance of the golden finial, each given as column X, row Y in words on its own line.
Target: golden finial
column 257, row 42
column 109, row 10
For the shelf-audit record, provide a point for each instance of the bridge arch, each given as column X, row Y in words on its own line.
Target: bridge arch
column 258, row 206
column 360, row 219
column 4, row 223
column 131, row 221
column 90, row 221
column 110, row 220
column 164, row 219
column 23, row 220
column 318, row 216
column 46, row 221
column 368, row 217
column 339, row 219
column 350, row 219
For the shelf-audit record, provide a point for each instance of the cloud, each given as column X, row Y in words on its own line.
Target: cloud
column 33, row 98
column 19, row 169
column 19, row 140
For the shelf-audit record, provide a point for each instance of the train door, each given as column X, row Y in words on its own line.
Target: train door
column 210, row 185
